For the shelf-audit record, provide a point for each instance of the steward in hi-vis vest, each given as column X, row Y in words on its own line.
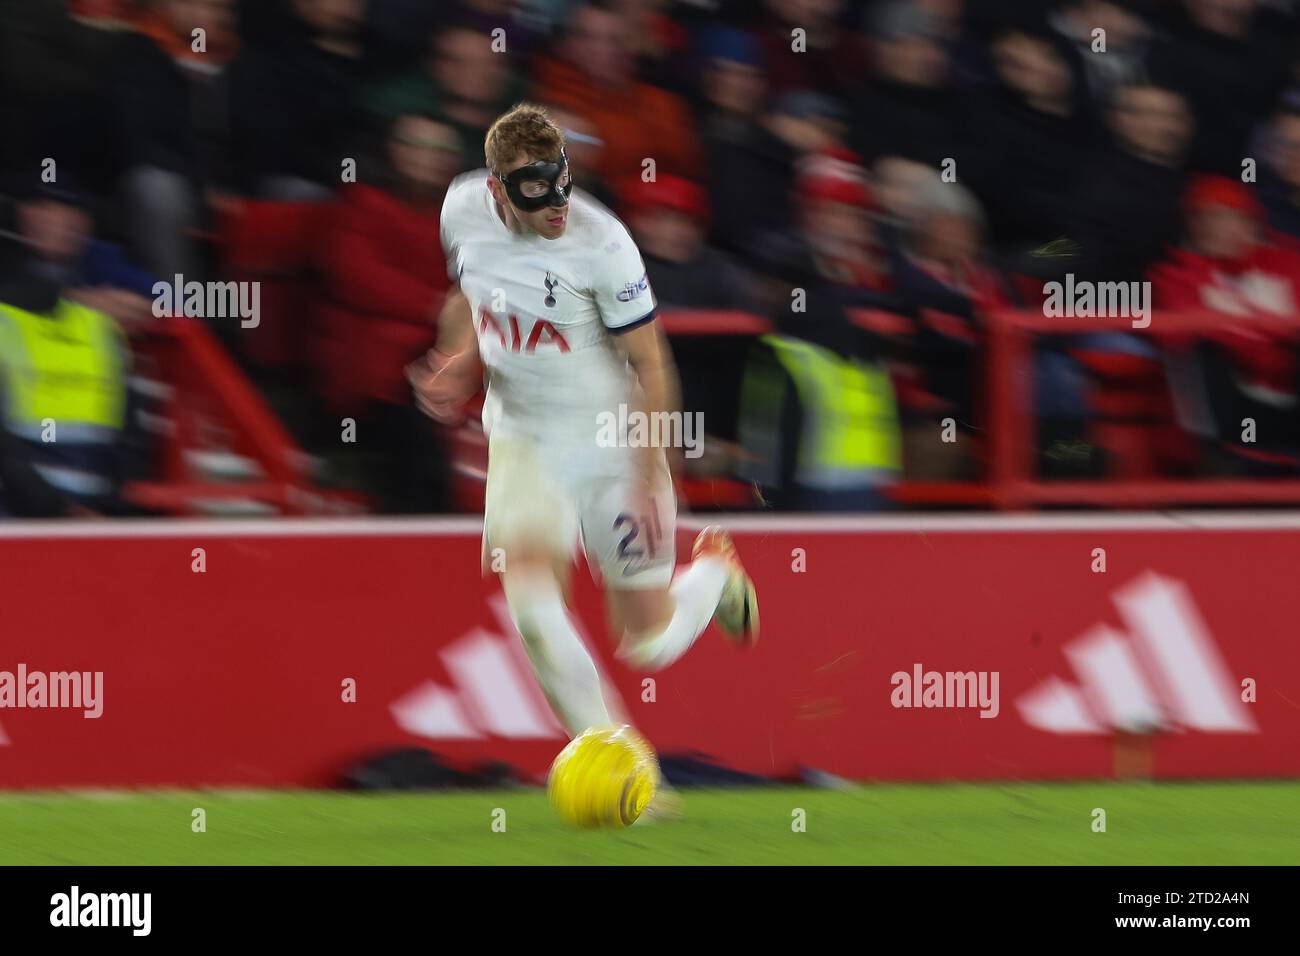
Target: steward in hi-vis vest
column 63, row 396
column 822, row 426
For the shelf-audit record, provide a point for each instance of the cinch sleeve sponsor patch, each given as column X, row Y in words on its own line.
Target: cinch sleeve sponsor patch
column 620, row 285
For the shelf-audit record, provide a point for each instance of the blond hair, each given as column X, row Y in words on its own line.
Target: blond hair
column 525, row 130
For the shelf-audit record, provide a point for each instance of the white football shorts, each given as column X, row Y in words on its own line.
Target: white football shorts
column 543, row 499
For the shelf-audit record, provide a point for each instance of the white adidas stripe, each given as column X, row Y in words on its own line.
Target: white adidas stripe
column 492, row 690
column 1166, row 673
column 1190, row 672
column 1058, row 708
column 1113, row 682
column 432, row 711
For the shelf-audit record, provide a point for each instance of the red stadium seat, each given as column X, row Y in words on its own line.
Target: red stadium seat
column 273, row 243
column 213, row 411
column 1129, row 410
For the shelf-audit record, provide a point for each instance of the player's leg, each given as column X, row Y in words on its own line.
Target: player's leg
column 564, row 668
column 630, row 536
column 661, row 624
column 530, row 529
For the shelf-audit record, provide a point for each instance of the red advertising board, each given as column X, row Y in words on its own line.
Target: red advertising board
column 900, row 648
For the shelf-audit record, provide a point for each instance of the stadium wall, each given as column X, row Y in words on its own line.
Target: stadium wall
column 1178, row 660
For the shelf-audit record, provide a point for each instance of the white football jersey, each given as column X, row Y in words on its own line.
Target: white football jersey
column 544, row 311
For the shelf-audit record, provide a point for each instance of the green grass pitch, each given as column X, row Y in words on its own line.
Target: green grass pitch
column 1146, row 823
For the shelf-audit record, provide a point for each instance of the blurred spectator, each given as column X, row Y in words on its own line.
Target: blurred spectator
column 385, row 276
column 836, row 448
column 945, row 284
column 1248, row 372
column 1230, row 59
column 523, row 35
column 1110, row 385
column 594, row 75
column 171, row 113
column 1137, row 178
column 1114, row 57
column 57, row 226
column 897, row 185
column 732, row 88
column 1034, row 141
column 669, row 220
column 818, row 422
column 294, row 103
column 1078, row 158
column 908, row 107
column 751, row 179
column 660, row 44
column 835, row 221
column 822, row 55
column 51, row 85
column 396, row 33
column 1280, row 174
column 462, row 79
column 63, row 368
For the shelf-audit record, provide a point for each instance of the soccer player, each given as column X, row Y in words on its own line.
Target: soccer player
column 554, row 289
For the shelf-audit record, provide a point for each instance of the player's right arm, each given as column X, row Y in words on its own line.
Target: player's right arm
column 450, row 373
column 455, row 324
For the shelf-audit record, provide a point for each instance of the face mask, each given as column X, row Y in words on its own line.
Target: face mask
column 552, row 173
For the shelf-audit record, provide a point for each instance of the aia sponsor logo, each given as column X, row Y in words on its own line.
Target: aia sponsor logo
column 1162, row 673
column 543, row 333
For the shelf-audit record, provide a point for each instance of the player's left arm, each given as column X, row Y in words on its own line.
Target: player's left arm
column 651, row 359
column 626, row 302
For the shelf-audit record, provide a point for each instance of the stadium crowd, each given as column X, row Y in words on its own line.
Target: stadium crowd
column 873, row 178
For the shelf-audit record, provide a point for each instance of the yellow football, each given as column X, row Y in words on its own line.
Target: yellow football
column 604, row 777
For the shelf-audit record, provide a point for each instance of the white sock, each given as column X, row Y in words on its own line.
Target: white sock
column 560, row 660
column 696, row 590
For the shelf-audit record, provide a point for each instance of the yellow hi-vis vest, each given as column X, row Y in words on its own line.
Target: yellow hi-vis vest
column 850, row 427
column 65, row 367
